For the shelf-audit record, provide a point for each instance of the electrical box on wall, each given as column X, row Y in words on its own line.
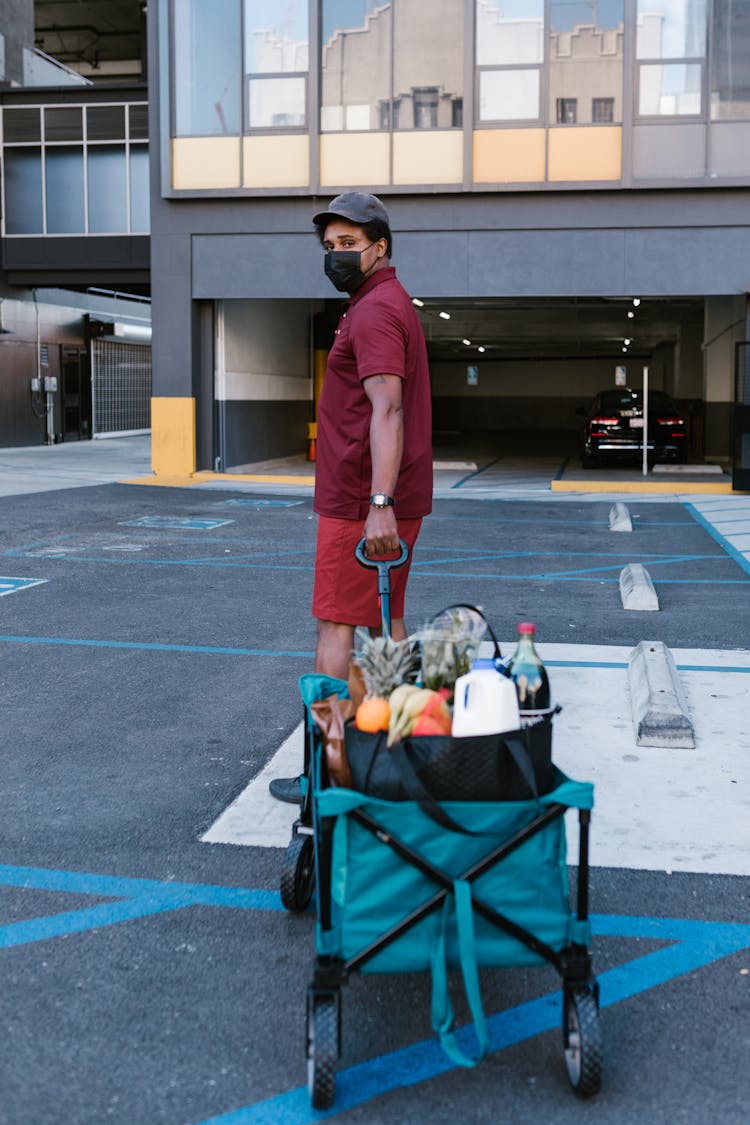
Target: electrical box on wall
column 50, row 383
column 35, row 385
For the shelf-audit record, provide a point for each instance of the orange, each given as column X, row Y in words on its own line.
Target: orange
column 373, row 715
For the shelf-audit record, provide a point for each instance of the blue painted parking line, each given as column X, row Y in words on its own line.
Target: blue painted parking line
column 689, row 945
column 476, row 473
column 742, row 560
column 147, row 646
column 187, row 523
column 136, row 898
column 258, row 503
column 297, row 654
column 696, row 944
column 13, row 585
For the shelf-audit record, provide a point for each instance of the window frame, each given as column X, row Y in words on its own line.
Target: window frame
column 44, row 146
column 678, row 60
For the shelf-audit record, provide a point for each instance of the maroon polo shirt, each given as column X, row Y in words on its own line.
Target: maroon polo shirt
column 378, row 334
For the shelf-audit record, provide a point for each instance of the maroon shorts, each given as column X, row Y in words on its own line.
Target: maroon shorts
column 344, row 590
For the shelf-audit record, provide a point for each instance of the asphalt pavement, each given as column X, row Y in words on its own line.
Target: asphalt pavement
column 151, row 643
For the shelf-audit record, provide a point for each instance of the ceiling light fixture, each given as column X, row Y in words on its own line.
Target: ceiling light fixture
column 467, row 342
column 624, row 349
column 445, row 315
column 626, row 341
column 636, row 301
column 480, row 348
column 631, row 314
column 416, row 301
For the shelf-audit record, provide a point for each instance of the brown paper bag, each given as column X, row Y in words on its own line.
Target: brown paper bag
column 330, row 715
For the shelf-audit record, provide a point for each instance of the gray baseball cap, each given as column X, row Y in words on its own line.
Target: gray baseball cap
column 356, row 206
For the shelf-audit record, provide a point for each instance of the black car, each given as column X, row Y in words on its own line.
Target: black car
column 614, row 428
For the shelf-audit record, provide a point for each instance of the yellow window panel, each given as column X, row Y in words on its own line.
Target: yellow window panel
column 585, row 154
column 508, row 156
column 429, row 157
column 205, row 162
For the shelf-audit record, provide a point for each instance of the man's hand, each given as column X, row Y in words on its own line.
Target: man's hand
column 381, row 532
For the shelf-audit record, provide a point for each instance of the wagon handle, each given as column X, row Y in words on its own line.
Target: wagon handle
column 383, row 567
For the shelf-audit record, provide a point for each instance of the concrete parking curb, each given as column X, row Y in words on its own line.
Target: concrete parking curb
column 619, row 518
column 657, row 701
column 636, row 588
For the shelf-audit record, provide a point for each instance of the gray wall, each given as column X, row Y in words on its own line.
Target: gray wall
column 266, row 389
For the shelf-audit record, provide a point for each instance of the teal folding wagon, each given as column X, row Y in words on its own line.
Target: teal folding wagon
column 398, row 892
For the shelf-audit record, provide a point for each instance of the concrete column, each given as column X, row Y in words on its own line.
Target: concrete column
column 17, row 27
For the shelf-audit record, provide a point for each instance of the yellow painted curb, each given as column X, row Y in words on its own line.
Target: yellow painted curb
column 255, row 478
column 167, row 480
column 677, row 487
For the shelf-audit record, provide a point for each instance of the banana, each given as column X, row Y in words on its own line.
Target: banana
column 400, row 694
column 406, row 716
column 397, row 701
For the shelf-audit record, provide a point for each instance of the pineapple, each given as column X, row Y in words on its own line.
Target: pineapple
column 384, row 663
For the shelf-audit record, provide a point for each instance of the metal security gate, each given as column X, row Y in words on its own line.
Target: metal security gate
column 741, row 419
column 120, row 388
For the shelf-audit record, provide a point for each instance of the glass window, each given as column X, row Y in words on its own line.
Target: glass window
column 138, row 122
column 64, row 188
column 63, row 123
column 670, row 89
column 356, row 64
column 585, row 60
column 139, row 196
column 567, row 111
column 509, row 32
column 23, row 190
column 107, row 189
column 105, row 122
column 21, row 125
column 276, row 43
column 509, row 95
column 602, row 111
column 428, row 63
column 207, row 67
column 730, row 62
column 509, row 42
column 276, row 103
column 671, row 29
column 276, row 37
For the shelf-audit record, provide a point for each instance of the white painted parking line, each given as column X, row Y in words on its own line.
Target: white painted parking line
column 12, row 585
column 656, row 809
column 255, row 818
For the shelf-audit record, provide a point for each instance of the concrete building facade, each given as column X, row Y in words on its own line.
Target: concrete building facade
column 544, row 165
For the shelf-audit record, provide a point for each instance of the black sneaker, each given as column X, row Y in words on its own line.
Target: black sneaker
column 288, row 789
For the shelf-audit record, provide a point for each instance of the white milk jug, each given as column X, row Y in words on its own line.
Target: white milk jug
column 484, row 702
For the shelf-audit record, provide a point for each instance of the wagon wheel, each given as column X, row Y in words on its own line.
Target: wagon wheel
column 322, row 1048
column 582, row 1040
column 298, row 873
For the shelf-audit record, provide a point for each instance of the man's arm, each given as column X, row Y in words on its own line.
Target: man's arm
column 386, row 448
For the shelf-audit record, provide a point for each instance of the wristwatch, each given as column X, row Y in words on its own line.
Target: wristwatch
column 380, row 500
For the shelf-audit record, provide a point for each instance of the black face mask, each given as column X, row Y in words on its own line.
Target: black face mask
column 344, row 268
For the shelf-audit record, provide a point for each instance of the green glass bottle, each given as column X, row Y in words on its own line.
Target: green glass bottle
column 527, row 671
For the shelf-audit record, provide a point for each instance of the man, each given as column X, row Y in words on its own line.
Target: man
column 373, row 474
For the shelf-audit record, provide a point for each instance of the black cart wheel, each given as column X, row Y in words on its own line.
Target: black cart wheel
column 322, row 1049
column 582, row 1040
column 298, row 873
